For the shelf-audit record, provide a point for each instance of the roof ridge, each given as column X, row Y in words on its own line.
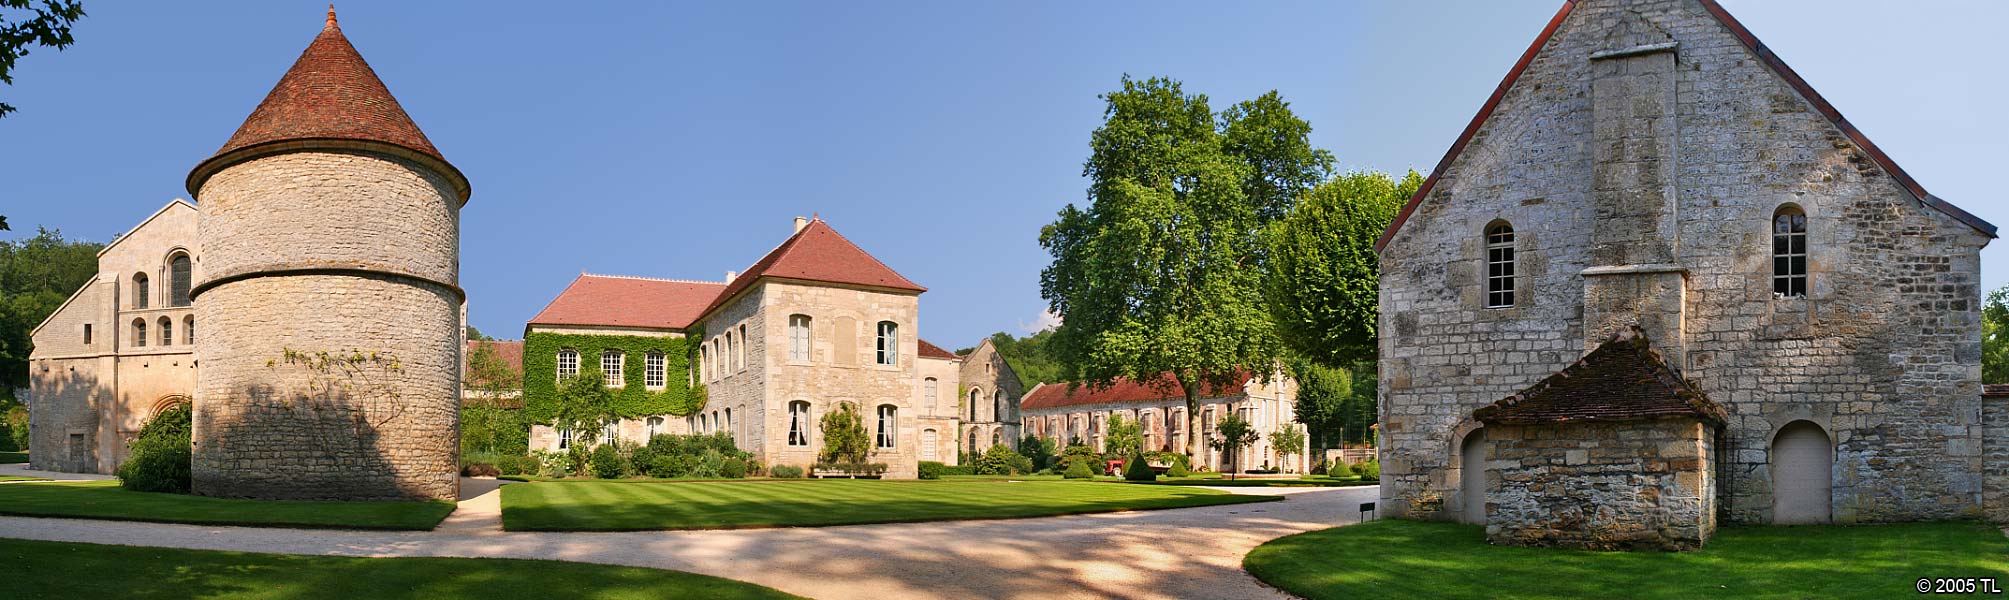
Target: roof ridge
column 643, row 278
column 861, row 250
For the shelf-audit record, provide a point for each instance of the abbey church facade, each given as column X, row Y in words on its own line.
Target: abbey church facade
column 1660, row 281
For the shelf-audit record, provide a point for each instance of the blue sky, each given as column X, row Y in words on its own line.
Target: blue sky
column 677, row 140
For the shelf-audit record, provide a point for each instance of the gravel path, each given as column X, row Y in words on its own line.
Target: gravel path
column 1179, row 553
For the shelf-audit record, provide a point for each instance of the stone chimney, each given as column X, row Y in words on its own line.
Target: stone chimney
column 799, row 224
column 731, row 275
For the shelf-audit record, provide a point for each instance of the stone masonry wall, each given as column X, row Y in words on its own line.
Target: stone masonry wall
column 1995, row 446
column 1600, row 486
column 840, row 369
column 985, row 369
column 1883, row 352
column 375, row 428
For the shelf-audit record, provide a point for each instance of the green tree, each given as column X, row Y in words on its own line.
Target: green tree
column 48, row 24
column 1026, row 356
column 1288, row 441
column 36, row 275
column 1126, row 437
column 1336, row 405
column 475, row 335
column 1235, row 434
column 1995, row 337
column 586, row 407
column 1162, row 273
column 1323, row 284
column 844, row 438
column 492, row 421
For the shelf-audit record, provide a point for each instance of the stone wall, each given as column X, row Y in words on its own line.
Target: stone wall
column 1995, row 447
column 1601, row 485
column 937, row 418
column 986, row 370
column 346, row 253
column 1272, row 403
column 1883, row 351
column 841, row 367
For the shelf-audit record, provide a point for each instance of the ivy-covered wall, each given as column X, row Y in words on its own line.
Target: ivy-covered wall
column 632, row 400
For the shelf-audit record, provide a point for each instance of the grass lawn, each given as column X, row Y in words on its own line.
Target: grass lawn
column 617, row 506
column 21, row 478
column 1393, row 558
column 13, row 457
column 106, row 500
column 67, row 570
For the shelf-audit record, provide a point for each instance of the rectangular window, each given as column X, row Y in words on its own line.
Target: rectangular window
column 568, row 364
column 888, row 425
column 739, row 360
column 798, row 424
column 798, row 337
column 1789, row 254
column 611, row 433
column 654, row 372
column 928, row 393
column 564, row 439
column 889, row 343
column 1500, row 267
column 610, row 367
column 87, row 334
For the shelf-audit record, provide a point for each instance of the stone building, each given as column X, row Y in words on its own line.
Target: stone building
column 815, row 324
column 118, row 351
column 1650, row 164
column 991, row 396
column 1066, row 413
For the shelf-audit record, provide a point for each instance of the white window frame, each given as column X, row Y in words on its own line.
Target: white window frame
column 564, row 438
column 889, row 427
column 798, row 424
column 654, row 426
column 739, row 359
column 568, row 363
column 929, row 393
column 1501, row 266
column 1789, row 253
column 888, row 349
column 655, row 371
column 799, row 337
column 612, row 363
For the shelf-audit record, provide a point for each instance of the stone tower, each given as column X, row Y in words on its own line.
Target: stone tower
column 329, row 300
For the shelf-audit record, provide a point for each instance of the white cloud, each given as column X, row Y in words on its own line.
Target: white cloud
column 1046, row 320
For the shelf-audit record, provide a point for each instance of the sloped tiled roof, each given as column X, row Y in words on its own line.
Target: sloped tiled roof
column 1622, row 380
column 1123, row 389
column 510, row 351
column 1995, row 390
column 614, row 301
column 933, row 351
column 817, row 253
column 1750, row 42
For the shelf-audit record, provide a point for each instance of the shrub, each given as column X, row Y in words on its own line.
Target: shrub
column 733, row 468
column 1138, row 470
column 607, row 462
column 854, row 469
column 14, row 426
column 639, row 457
column 1040, row 450
column 669, row 465
column 1178, row 470
column 161, row 454
column 552, row 464
column 710, row 464
column 1370, row 470
column 959, row 470
column 1169, row 459
column 1002, row 460
column 1079, row 453
column 786, row 472
column 1078, row 469
column 480, row 470
column 1339, row 469
column 844, row 437
column 1317, row 468
column 932, row 469
column 516, row 465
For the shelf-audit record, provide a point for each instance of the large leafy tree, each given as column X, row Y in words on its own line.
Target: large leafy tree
column 1995, row 337
column 492, row 420
column 1027, row 356
column 36, row 275
column 1161, row 273
column 47, row 23
column 1324, row 280
column 1125, row 439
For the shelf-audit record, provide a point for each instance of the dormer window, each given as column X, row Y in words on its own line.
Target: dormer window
column 1500, row 266
column 1789, row 253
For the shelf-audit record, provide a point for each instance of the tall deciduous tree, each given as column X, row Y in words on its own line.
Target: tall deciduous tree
column 1161, row 273
column 1324, row 280
column 491, row 421
column 36, row 275
column 1995, row 337
column 1126, row 437
column 47, row 24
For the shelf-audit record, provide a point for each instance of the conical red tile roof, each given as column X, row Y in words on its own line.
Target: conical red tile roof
column 329, row 94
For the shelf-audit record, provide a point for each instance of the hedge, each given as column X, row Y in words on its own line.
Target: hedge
column 633, row 400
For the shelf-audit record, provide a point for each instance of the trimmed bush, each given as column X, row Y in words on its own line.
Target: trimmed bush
column 607, row 462
column 1138, row 470
column 932, row 469
column 786, row 472
column 1078, row 469
column 1339, row 469
column 733, row 468
column 1169, row 458
column 1002, row 460
column 669, row 465
column 14, row 421
column 1178, row 470
column 1370, row 470
column 161, row 455
column 480, row 470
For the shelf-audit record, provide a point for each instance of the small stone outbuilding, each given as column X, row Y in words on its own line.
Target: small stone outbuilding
column 1612, row 453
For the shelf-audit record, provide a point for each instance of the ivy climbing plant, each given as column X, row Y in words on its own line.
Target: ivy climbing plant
column 633, row 399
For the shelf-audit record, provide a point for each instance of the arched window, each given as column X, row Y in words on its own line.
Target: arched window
column 178, row 273
column 731, row 350
column 798, row 337
column 139, row 290
column 889, row 343
column 975, row 396
column 739, row 359
column 973, row 442
column 611, row 362
column 1499, row 265
column 928, row 394
column 798, row 424
column 166, row 331
column 704, row 362
column 188, row 330
column 564, row 438
column 655, row 373
column 568, row 364
column 997, row 406
column 727, row 427
column 888, row 425
column 1789, row 252
column 997, row 437
column 654, row 427
column 139, row 333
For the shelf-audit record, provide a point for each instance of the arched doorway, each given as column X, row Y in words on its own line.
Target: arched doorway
column 1803, row 462
column 1472, row 478
column 166, row 402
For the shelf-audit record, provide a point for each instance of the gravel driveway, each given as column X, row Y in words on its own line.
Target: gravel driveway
column 1179, row 553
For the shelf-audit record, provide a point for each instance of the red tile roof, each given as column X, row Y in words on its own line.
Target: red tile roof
column 1622, row 380
column 1123, row 389
column 614, row 301
column 818, row 253
column 933, row 351
column 329, row 94
column 1750, row 42
column 1995, row 390
column 510, row 351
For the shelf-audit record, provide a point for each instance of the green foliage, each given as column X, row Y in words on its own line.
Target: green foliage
column 788, row 472
column 475, row 335
column 844, row 437
column 161, row 457
column 585, row 406
column 1002, row 460
column 48, row 24
column 14, row 428
column 1323, row 282
column 1027, row 357
column 607, row 462
column 36, row 275
column 1162, row 273
column 1369, row 470
column 1077, row 469
column 543, row 397
column 854, row 469
column 930, row 469
column 733, row 468
column 1995, row 337
column 1080, row 453
column 1169, row 458
column 1337, row 405
column 1339, row 468
column 1136, row 469
column 1039, row 450
column 1125, row 437
column 1288, row 441
column 695, row 455
column 1178, row 470
column 1235, row 434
